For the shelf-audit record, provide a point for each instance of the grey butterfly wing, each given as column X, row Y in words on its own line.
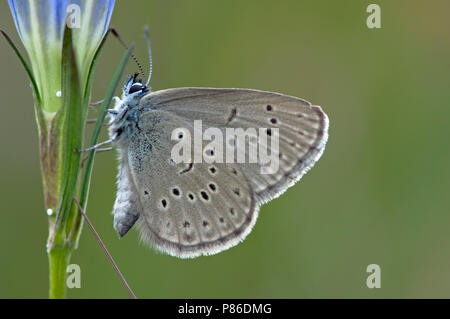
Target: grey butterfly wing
column 302, row 127
column 186, row 209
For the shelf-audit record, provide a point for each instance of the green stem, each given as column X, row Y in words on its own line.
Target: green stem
column 58, row 260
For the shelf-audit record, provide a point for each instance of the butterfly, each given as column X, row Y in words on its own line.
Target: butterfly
column 206, row 204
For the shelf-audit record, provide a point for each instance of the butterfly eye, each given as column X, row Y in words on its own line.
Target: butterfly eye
column 135, row 87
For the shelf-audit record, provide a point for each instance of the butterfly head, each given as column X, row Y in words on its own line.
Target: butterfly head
column 133, row 90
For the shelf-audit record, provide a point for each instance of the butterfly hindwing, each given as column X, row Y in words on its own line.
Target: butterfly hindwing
column 188, row 209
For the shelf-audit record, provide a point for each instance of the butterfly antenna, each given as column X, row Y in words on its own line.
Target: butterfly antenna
column 147, row 39
column 116, row 34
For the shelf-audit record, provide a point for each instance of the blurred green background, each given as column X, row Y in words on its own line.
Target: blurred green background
column 378, row 195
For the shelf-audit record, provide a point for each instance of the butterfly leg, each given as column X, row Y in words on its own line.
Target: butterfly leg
column 94, row 146
column 101, row 101
column 105, row 149
column 98, row 150
column 92, row 121
column 96, row 103
column 93, row 105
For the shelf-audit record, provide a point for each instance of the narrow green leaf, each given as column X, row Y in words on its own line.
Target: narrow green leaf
column 25, row 65
column 98, row 125
column 39, row 113
column 90, row 77
column 72, row 128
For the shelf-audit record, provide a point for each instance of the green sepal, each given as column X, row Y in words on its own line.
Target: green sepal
column 39, row 113
column 71, row 128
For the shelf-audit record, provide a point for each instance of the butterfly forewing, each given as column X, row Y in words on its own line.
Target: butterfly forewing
column 302, row 127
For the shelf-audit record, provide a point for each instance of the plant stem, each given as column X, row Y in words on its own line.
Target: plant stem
column 58, row 260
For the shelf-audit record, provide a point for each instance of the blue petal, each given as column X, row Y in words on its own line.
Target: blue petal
column 40, row 24
column 50, row 16
column 95, row 17
column 20, row 9
column 101, row 14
